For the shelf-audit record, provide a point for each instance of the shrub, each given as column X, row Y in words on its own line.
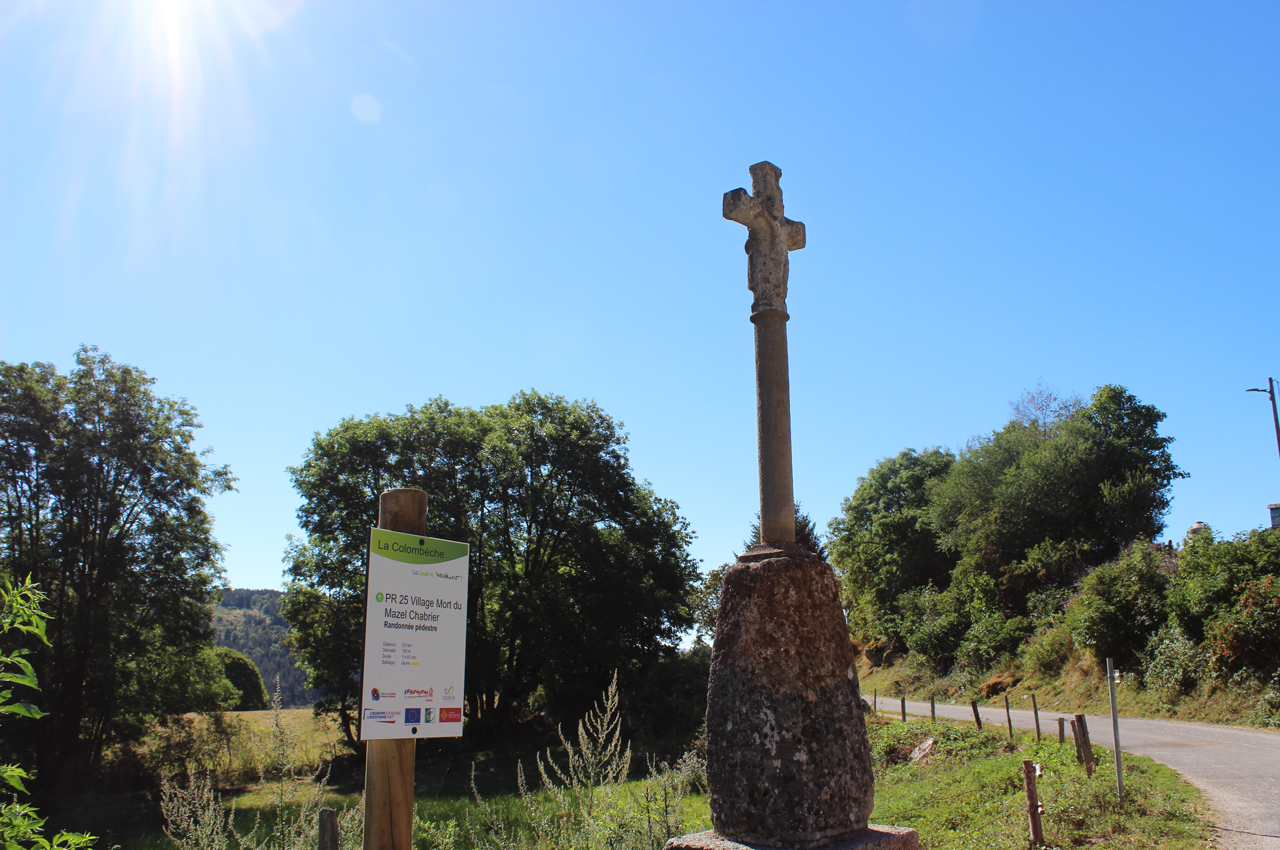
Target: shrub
column 1176, row 664
column 1121, row 605
column 1049, row 651
column 1246, row 638
column 1210, row 572
column 990, row 637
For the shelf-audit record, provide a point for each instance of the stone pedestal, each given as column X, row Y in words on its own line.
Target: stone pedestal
column 871, row 838
column 788, row 763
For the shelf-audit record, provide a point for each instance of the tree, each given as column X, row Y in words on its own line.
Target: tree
column 577, row 569
column 883, row 545
column 957, row 553
column 102, row 505
column 244, row 677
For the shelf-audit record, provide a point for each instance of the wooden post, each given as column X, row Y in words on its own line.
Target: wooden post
column 328, row 830
column 1062, row 730
column 1085, row 745
column 1075, row 736
column 1035, row 710
column 875, row 702
column 388, row 765
column 933, row 711
column 1008, row 718
column 1115, row 731
column 904, row 709
column 977, row 718
column 1033, row 802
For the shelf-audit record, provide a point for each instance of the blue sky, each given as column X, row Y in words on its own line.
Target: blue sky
column 293, row 211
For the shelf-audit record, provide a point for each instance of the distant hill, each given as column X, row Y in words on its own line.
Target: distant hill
column 249, row 621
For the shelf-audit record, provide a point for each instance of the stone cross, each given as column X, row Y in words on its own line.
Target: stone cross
column 771, row 236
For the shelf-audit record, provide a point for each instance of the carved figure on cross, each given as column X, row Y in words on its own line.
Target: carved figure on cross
column 771, row 236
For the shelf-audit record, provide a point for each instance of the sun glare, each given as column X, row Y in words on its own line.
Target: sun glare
column 158, row 86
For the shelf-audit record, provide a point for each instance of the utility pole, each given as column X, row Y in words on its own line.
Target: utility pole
column 1275, row 416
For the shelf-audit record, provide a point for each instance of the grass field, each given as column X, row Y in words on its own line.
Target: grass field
column 967, row 793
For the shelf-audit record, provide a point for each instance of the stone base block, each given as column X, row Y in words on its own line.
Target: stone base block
column 874, row 837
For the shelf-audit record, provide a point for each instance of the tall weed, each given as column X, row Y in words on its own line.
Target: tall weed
column 196, row 819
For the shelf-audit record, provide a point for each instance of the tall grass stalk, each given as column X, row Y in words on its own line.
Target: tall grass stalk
column 196, row 819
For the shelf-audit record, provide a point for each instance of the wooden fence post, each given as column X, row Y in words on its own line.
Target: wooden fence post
column 1085, row 745
column 1035, row 709
column 977, row 718
column 388, row 764
column 1033, row 802
column 904, row 709
column 1062, row 730
column 328, row 830
column 933, row 711
column 875, row 701
column 1008, row 718
column 1075, row 736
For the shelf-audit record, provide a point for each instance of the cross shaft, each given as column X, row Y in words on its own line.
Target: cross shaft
column 771, row 236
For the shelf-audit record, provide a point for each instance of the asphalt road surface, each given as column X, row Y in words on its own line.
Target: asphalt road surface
column 1238, row 769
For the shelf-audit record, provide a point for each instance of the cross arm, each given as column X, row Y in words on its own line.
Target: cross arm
column 793, row 232
column 742, row 208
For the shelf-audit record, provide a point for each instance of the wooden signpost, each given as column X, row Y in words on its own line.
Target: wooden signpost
column 414, row 658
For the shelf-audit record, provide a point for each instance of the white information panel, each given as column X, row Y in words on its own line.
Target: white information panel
column 415, row 637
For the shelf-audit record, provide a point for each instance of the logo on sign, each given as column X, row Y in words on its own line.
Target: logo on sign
column 418, row 693
column 413, row 715
column 451, row 715
column 381, row 716
column 379, row 596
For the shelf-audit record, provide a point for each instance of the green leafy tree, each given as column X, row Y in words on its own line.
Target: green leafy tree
column 883, row 545
column 577, row 569
column 102, row 505
column 244, row 677
column 935, row 547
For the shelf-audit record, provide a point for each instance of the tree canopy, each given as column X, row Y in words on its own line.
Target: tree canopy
column 577, row 569
column 102, row 506
column 954, row 552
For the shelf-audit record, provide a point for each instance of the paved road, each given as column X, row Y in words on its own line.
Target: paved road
column 1237, row 769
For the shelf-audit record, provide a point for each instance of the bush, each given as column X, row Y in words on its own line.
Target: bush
column 1121, row 605
column 1210, row 572
column 1048, row 652
column 1246, row 638
column 244, row 677
column 1176, row 664
column 990, row 637
column 933, row 624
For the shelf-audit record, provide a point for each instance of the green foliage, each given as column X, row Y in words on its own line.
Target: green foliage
column 1121, row 605
column 1211, row 571
column 934, row 623
column 585, row 805
column 21, row 827
column 1246, row 637
column 966, row 556
column 1176, row 664
column 196, row 818
column 577, row 569
column 244, row 677
column 883, row 544
column 102, row 505
column 249, row 621
column 1048, row 652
